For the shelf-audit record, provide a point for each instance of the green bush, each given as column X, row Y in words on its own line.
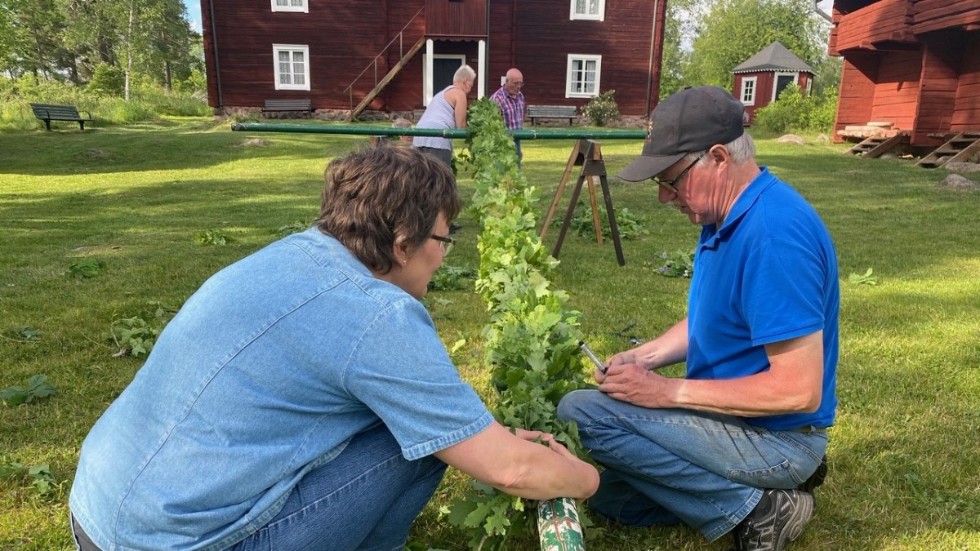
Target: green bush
column 107, row 80
column 794, row 111
column 821, row 117
column 602, row 108
column 195, row 84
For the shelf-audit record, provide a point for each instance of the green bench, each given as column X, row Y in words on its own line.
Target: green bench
column 48, row 112
column 277, row 105
column 551, row 112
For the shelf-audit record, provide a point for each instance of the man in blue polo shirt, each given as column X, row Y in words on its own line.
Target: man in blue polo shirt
column 736, row 445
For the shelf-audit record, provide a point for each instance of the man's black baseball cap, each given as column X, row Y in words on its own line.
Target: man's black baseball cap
column 693, row 119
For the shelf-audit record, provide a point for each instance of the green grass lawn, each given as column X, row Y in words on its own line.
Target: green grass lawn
column 903, row 467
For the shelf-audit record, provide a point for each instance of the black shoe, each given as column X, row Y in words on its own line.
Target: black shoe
column 816, row 478
column 778, row 519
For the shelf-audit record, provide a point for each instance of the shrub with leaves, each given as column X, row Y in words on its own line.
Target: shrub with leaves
column 794, row 111
column 37, row 388
column 602, row 108
column 531, row 341
column 107, row 80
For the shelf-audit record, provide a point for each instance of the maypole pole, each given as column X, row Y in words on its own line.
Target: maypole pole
column 559, row 527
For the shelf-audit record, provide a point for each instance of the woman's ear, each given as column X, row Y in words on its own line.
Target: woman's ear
column 400, row 251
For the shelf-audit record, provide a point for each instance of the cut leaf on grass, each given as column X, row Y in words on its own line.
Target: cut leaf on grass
column 37, row 388
column 866, row 279
column 212, row 237
column 86, row 268
column 24, row 333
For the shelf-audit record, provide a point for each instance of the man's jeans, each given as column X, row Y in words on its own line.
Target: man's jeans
column 665, row 466
column 367, row 498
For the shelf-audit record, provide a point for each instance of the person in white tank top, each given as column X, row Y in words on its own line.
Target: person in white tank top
column 446, row 110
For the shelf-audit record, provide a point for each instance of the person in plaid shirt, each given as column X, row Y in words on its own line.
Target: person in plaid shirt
column 511, row 101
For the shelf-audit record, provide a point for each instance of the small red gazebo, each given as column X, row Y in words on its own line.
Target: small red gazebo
column 759, row 80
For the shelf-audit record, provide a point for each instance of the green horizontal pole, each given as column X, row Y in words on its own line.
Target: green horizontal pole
column 458, row 133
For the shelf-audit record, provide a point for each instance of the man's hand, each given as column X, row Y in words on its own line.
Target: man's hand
column 634, row 384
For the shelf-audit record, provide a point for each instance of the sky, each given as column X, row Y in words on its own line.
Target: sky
column 194, row 13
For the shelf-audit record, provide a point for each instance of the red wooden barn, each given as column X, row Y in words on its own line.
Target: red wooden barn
column 911, row 67
column 760, row 79
column 391, row 55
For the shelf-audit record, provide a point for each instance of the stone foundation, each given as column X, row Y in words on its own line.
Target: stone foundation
column 343, row 115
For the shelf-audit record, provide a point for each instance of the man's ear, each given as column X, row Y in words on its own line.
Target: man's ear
column 719, row 154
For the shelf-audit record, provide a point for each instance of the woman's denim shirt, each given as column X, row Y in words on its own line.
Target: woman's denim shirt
column 266, row 372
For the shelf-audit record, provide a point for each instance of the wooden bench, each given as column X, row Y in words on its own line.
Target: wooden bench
column 278, row 105
column 551, row 112
column 48, row 112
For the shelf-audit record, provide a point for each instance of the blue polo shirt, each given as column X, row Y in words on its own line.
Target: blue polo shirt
column 768, row 274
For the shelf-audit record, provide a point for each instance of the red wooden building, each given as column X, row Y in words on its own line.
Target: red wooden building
column 910, row 64
column 391, row 55
column 760, row 79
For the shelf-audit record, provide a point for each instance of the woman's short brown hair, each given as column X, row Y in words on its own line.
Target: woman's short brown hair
column 375, row 196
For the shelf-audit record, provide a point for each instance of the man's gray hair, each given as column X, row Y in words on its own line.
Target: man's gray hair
column 464, row 73
column 741, row 149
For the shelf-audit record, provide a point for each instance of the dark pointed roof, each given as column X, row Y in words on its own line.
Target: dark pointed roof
column 775, row 57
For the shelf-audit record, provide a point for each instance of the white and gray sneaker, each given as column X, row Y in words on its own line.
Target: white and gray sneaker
column 778, row 519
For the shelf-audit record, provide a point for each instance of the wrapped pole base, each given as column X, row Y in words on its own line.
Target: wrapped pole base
column 558, row 525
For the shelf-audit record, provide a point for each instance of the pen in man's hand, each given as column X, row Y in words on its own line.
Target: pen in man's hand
column 588, row 352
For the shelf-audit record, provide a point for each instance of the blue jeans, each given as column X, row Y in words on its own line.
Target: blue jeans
column 665, row 466
column 367, row 498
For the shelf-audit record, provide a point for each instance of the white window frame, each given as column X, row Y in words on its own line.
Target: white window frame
column 304, row 6
column 775, row 81
column 600, row 16
column 751, row 91
column 291, row 49
column 585, row 58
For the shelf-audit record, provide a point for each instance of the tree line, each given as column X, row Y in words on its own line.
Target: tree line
column 112, row 43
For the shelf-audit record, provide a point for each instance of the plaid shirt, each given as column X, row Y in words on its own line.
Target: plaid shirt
column 512, row 107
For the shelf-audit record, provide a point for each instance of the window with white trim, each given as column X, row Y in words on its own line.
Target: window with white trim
column 748, row 90
column 583, row 76
column 780, row 81
column 292, row 66
column 594, row 10
column 291, row 5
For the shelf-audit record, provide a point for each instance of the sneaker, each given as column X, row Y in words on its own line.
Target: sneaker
column 816, row 478
column 778, row 519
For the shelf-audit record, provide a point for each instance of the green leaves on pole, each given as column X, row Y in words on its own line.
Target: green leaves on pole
column 530, row 343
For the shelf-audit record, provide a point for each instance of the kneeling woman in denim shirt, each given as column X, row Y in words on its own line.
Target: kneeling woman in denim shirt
column 301, row 398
